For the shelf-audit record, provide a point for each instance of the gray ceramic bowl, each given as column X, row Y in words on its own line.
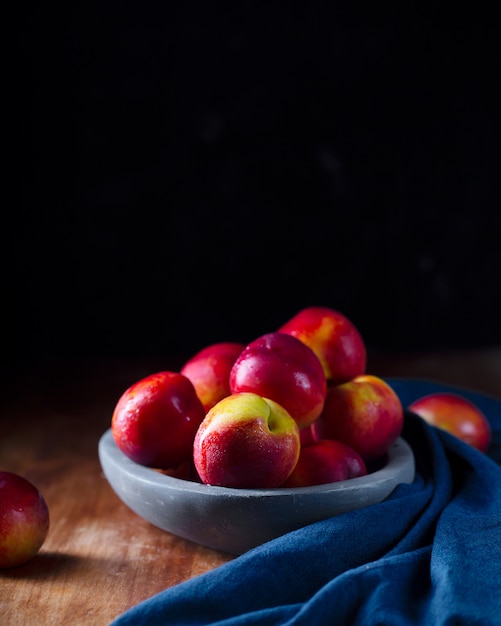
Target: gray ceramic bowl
column 236, row 520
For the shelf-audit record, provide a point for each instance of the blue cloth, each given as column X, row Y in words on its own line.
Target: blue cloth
column 430, row 554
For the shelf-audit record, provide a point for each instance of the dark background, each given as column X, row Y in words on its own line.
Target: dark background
column 200, row 172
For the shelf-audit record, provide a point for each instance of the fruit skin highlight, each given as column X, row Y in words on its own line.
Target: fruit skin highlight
column 281, row 367
column 209, row 371
column 155, row 420
column 457, row 415
column 334, row 339
column 365, row 413
column 246, row 441
column 24, row 520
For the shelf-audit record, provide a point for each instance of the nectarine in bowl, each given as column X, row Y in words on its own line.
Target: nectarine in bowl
column 234, row 520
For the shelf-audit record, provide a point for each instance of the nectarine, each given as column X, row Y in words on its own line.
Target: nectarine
column 155, row 420
column 334, row 339
column 209, row 371
column 246, row 441
column 457, row 415
column 365, row 413
column 24, row 520
column 281, row 367
column 325, row 461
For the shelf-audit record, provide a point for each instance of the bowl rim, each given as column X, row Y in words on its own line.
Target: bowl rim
column 399, row 452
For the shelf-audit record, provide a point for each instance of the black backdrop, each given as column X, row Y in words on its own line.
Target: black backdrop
column 200, row 172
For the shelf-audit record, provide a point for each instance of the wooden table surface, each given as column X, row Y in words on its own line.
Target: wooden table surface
column 99, row 557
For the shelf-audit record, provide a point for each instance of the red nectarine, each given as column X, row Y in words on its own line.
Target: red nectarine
column 246, row 441
column 334, row 339
column 209, row 371
column 24, row 520
column 281, row 367
column 155, row 420
column 365, row 413
column 325, row 461
column 457, row 415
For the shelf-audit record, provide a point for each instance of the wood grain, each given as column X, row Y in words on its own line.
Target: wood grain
column 100, row 558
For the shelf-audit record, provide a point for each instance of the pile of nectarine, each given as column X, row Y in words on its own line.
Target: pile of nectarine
column 293, row 407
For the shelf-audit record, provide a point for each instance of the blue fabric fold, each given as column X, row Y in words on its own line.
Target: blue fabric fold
column 430, row 554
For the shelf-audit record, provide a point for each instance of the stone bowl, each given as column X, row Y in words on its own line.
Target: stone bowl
column 236, row 520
